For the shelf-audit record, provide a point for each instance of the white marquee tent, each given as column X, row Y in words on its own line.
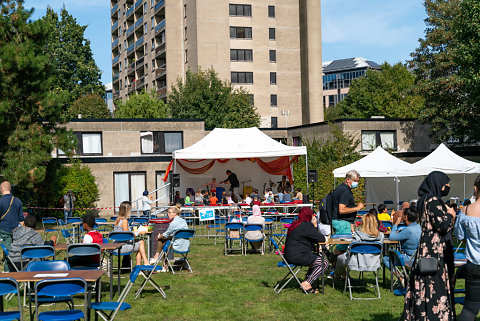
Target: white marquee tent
column 230, row 147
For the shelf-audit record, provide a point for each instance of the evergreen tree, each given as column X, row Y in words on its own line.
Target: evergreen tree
column 30, row 114
column 205, row 96
column 90, row 106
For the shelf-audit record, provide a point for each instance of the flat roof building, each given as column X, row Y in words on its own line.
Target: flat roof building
column 271, row 48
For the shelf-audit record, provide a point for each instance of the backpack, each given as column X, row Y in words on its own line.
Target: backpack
column 327, row 209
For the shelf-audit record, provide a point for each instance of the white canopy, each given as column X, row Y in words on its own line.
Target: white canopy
column 379, row 163
column 444, row 160
column 223, row 143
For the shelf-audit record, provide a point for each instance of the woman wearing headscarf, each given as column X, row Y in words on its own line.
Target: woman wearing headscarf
column 430, row 296
column 255, row 218
column 302, row 235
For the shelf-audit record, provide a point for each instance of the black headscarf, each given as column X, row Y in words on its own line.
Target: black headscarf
column 431, row 186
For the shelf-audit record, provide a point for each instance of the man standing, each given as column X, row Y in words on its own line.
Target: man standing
column 11, row 214
column 68, row 200
column 344, row 204
column 234, row 183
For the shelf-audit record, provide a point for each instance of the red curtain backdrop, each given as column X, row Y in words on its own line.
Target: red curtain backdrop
column 279, row 166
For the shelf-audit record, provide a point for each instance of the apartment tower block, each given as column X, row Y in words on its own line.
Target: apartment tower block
column 272, row 48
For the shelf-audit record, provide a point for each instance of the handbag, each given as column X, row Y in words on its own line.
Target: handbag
column 428, row 265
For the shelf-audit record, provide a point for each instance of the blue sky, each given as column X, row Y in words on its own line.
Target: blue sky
column 379, row 30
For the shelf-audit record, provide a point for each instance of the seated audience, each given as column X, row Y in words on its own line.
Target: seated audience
column 176, row 224
column 121, row 224
column 213, row 199
column 408, row 236
column 247, row 200
column 206, row 198
column 255, row 218
column 229, row 199
column 368, row 232
column 287, row 197
column 198, row 197
column 269, row 197
column 224, row 199
column 188, row 201
column 255, row 194
column 92, row 236
column 302, row 237
column 381, row 227
column 382, row 213
column 280, row 193
column 298, row 195
column 26, row 236
column 467, row 227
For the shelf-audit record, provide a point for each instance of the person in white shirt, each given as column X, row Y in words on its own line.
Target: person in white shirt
column 146, row 201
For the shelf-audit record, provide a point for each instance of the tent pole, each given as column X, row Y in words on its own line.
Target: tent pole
column 306, row 172
column 172, row 196
column 463, row 188
column 397, row 193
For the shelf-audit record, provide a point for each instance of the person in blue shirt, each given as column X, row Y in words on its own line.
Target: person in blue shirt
column 11, row 214
column 467, row 227
column 408, row 236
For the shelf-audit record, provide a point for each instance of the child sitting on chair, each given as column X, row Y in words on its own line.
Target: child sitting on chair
column 213, row 199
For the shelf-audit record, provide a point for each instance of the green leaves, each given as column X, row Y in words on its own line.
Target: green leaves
column 90, row 106
column 142, row 105
column 205, row 96
column 387, row 92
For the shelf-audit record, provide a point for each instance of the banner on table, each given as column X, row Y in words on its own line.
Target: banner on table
column 207, row 214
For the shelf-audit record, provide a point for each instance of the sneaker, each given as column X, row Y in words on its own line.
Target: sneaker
column 163, row 270
column 153, row 261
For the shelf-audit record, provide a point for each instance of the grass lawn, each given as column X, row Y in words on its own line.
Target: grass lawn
column 241, row 288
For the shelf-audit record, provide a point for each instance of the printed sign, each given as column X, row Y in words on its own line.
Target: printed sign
column 207, row 214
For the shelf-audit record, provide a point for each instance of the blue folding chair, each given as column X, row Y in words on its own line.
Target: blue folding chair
column 292, row 270
column 251, row 228
column 84, row 256
column 9, row 260
column 50, row 225
column 139, row 221
column 387, row 224
column 113, row 218
column 233, row 233
column 108, row 310
column 354, row 252
column 147, row 271
column 459, row 274
column 79, row 227
column 397, row 269
column 122, row 237
column 280, row 237
column 186, row 234
column 39, row 252
column 54, row 288
column 9, row 287
column 99, row 226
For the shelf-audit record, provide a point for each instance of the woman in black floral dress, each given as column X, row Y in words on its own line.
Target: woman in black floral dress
column 430, row 297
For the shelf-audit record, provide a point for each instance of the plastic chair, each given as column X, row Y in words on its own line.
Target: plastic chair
column 61, row 287
column 186, row 234
column 108, row 310
column 254, row 227
column 387, row 224
column 82, row 253
column 231, row 230
column 113, row 218
column 122, row 237
column 9, row 287
column 50, row 225
column 147, row 272
column 280, row 237
column 292, row 270
column 40, row 252
column 459, row 274
column 139, row 221
column 397, row 268
column 354, row 252
column 7, row 256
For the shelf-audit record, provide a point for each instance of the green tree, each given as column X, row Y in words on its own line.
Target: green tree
column 75, row 69
column 325, row 155
column 30, row 114
column 436, row 69
column 81, row 181
column 205, row 96
column 90, row 106
column 142, row 105
column 385, row 92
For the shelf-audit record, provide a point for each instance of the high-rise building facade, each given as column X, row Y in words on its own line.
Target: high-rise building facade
column 272, row 48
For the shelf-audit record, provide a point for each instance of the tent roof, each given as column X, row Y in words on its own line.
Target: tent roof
column 379, row 163
column 237, row 143
column 443, row 159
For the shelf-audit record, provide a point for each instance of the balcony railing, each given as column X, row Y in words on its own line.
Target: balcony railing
column 130, row 30
column 160, row 71
column 162, row 91
column 140, row 82
column 138, row 3
column 116, row 95
column 131, row 67
column 160, row 26
column 131, row 87
column 114, row 9
column 140, row 62
column 139, row 22
column 115, row 43
column 131, row 47
column 160, row 48
column 115, row 26
column 139, row 42
column 115, row 60
column 116, row 76
column 159, row 5
column 130, row 11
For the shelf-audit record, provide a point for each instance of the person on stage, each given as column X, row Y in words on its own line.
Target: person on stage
column 234, row 184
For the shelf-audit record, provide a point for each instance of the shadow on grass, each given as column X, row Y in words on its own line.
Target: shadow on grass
column 382, row 317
